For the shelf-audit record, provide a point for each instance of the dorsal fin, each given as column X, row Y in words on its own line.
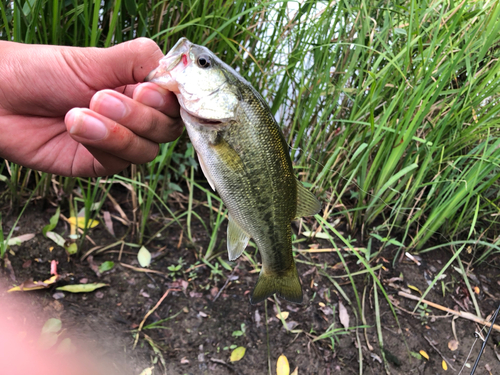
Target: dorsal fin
column 307, row 203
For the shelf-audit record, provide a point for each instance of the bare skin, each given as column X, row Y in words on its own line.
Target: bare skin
column 83, row 111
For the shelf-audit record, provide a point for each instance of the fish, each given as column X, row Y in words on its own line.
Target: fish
column 245, row 159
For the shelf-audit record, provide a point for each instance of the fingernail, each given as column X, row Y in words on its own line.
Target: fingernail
column 86, row 126
column 111, row 107
column 152, row 98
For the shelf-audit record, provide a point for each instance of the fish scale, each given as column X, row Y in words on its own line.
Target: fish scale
column 244, row 157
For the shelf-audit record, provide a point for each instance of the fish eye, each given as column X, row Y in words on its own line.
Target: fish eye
column 204, row 61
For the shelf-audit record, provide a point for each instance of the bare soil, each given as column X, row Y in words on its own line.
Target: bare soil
column 207, row 313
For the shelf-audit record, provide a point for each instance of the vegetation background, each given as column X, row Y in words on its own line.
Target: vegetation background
column 390, row 109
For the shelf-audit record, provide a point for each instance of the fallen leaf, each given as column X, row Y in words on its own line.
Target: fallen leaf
column 20, row 239
column 296, row 371
column 144, row 257
column 291, row 324
column 282, row 366
column 237, row 354
column 94, row 267
column 424, row 354
column 108, row 222
column 416, row 355
column 148, row 371
column 106, row 266
column 49, row 336
column 52, row 325
column 71, row 248
column 81, row 288
column 445, row 365
column 56, row 238
column 453, row 345
column 343, row 316
column 80, row 222
column 29, row 285
column 415, row 289
column 324, row 236
column 47, row 340
column 66, row 347
column 284, row 315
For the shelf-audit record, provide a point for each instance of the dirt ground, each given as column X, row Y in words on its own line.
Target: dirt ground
column 207, row 313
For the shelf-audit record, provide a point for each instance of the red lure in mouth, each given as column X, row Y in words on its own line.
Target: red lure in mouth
column 184, row 59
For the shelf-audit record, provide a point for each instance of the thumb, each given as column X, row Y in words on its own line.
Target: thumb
column 123, row 64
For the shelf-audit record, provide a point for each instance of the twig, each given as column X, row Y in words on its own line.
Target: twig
column 225, row 284
column 149, row 313
column 437, row 350
column 139, row 269
column 221, row 362
column 461, row 314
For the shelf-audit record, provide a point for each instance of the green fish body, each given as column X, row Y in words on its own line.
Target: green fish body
column 244, row 157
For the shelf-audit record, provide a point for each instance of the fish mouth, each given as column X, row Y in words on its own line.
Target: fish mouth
column 210, row 123
column 168, row 63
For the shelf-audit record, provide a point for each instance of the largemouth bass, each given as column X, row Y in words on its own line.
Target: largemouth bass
column 244, row 156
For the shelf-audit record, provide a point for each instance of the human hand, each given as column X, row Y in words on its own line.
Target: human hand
column 80, row 111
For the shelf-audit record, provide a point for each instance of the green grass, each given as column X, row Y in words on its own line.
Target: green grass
column 391, row 113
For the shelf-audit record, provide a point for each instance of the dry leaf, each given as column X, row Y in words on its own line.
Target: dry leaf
column 144, row 257
column 343, row 316
column 414, row 288
column 284, row 315
column 20, row 239
column 237, row 354
column 296, row 371
column 445, row 365
column 453, row 345
column 424, row 354
column 108, row 222
column 282, row 366
column 29, row 285
column 147, row 371
column 80, row 222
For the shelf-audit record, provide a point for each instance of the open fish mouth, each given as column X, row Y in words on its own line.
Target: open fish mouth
column 204, row 121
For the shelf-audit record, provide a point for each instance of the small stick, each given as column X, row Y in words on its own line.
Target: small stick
column 139, row 269
column 442, row 356
column 149, row 313
column 225, row 284
column 461, row 314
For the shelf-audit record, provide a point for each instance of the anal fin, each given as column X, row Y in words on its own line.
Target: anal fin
column 237, row 240
column 307, row 203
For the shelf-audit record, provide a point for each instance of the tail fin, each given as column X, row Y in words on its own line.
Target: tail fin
column 286, row 284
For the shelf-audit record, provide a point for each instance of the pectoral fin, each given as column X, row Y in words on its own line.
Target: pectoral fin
column 205, row 172
column 237, row 240
column 307, row 203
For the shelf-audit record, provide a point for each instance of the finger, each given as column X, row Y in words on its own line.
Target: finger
column 157, row 97
column 98, row 132
column 123, row 64
column 140, row 118
column 93, row 162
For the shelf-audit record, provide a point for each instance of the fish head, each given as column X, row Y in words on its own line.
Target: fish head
column 205, row 86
